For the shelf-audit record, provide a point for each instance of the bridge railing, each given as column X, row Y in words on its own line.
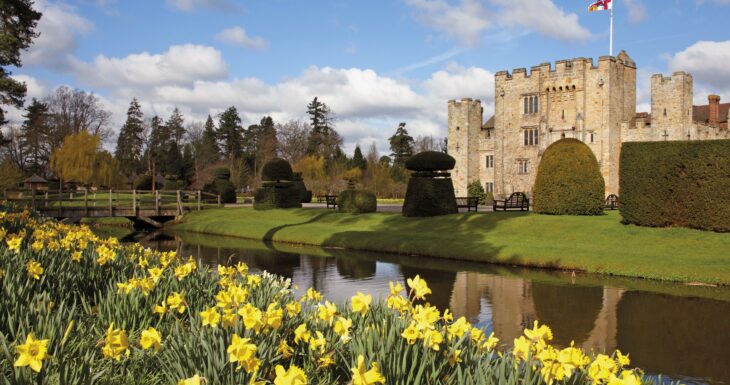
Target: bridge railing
column 114, row 200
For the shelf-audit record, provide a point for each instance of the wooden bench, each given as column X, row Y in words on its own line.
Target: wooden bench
column 331, row 201
column 468, row 203
column 516, row 201
column 612, row 202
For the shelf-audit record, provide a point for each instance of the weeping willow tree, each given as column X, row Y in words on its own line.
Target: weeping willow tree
column 80, row 159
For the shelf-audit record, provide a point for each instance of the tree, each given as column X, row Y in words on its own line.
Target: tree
column 10, row 174
column 159, row 136
column 130, row 143
column 401, row 145
column 175, row 126
column 74, row 111
column 18, row 20
column 323, row 139
column 357, row 159
column 34, row 133
column 291, row 136
column 230, row 133
column 81, row 160
column 260, row 143
column 207, row 150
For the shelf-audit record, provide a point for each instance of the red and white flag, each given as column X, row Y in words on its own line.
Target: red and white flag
column 601, row 5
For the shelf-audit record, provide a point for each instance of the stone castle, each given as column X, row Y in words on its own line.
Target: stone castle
column 576, row 99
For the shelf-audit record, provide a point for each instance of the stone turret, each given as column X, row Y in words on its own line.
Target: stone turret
column 465, row 124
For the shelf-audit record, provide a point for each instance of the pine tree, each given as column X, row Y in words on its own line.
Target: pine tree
column 323, row 139
column 229, row 133
column 130, row 143
column 209, row 151
column 34, row 133
column 401, row 145
column 357, row 159
column 175, row 127
column 158, row 137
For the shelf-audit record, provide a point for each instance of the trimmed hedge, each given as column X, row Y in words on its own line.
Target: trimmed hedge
column 222, row 173
column 569, row 181
column 678, row 184
column 281, row 195
column 298, row 182
column 276, row 169
column 222, row 185
column 357, row 201
column 428, row 197
column 430, row 161
column 143, row 182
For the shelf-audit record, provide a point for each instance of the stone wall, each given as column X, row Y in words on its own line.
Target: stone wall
column 465, row 126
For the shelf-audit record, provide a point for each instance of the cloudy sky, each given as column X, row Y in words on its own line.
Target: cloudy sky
column 376, row 63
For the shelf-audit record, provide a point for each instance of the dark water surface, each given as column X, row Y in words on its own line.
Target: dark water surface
column 678, row 330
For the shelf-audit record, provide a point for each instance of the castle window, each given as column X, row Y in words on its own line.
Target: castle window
column 593, row 136
column 489, row 186
column 531, row 135
column 527, row 110
column 490, row 161
column 523, row 166
column 563, row 114
column 537, row 109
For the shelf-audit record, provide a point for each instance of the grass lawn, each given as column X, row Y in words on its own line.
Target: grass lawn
column 593, row 244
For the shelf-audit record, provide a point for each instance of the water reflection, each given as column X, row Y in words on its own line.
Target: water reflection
column 685, row 335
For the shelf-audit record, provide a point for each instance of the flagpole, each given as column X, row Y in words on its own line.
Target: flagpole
column 610, row 44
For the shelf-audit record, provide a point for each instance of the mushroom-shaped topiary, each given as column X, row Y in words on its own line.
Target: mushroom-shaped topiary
column 430, row 161
column 276, row 169
column 222, row 173
column 569, row 181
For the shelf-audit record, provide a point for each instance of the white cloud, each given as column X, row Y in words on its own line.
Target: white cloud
column 466, row 20
column 59, row 29
column 238, row 36
column 35, row 89
column 707, row 62
column 191, row 5
column 637, row 10
column 179, row 64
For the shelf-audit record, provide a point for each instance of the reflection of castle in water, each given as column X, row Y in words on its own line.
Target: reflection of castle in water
column 663, row 333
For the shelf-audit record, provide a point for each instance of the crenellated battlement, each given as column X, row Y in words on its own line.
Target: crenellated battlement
column 464, row 101
column 676, row 76
column 566, row 66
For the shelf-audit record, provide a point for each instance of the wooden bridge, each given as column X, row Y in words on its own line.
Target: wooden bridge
column 146, row 209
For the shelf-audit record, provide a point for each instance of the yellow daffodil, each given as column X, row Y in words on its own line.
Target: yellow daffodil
column 229, row 318
column 601, row 369
column 312, row 295
column 433, row 339
column 318, row 342
column 14, row 241
column 301, row 334
column 76, row 256
column 284, row 349
column 458, row 328
column 32, row 353
column 342, row 328
column 176, row 301
column 419, row 287
column 622, row 360
column 522, row 348
column 362, row 376
column 34, row 269
column 252, row 317
column 253, row 280
column 361, row 303
column 326, row 361
column 210, row 317
column 160, row 309
column 454, row 357
column 539, row 332
column 244, row 353
column 37, row 245
column 398, row 303
column 327, row 312
column 293, row 308
column 105, row 254
column 291, row 376
column 628, row 377
column 155, row 273
column 115, row 343
column 411, row 334
column 274, row 316
column 242, row 268
column 396, row 288
column 194, row 380
column 490, row 343
column 151, row 339
column 448, row 316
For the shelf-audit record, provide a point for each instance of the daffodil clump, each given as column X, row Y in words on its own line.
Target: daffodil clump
column 78, row 309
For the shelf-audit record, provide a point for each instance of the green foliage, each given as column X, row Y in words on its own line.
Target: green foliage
column 222, row 185
column 475, row 189
column 230, row 132
column 357, row 201
column 277, row 169
column 80, row 160
column 130, row 143
column 34, row 133
column 428, row 197
column 430, row 161
column 143, row 182
column 677, row 184
column 357, row 159
column 569, row 181
column 10, row 175
column 172, row 183
column 208, row 150
column 222, row 173
column 401, row 145
column 298, row 184
column 277, row 195
column 19, row 21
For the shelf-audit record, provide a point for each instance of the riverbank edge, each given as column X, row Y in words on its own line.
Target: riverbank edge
column 377, row 242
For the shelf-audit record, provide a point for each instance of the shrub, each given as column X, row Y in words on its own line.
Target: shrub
column 172, row 183
column 427, row 197
column 298, row 184
column 277, row 169
column 279, row 195
column 475, row 189
column 430, row 161
column 357, row 201
column 222, row 173
column 143, row 182
column 569, row 181
column 683, row 184
column 222, row 185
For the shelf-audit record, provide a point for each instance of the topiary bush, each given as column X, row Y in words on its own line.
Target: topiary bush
column 281, row 195
column 430, row 161
column 222, row 173
column 430, row 192
column 682, row 183
column 277, row 169
column 298, row 182
column 569, row 181
column 222, row 185
column 143, row 182
column 357, row 201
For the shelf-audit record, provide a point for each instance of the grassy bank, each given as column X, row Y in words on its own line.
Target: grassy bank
column 593, row 244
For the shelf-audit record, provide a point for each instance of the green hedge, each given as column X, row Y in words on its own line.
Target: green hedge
column 282, row 195
column 428, row 197
column 276, row 169
column 357, row 201
column 430, row 161
column 143, row 182
column 678, row 184
column 298, row 182
column 222, row 185
column 569, row 181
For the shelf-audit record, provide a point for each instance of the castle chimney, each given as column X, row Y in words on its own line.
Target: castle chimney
column 714, row 115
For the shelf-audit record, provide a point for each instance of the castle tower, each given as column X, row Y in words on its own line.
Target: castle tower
column 671, row 107
column 465, row 124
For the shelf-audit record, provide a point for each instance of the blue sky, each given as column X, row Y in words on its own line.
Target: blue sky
column 376, row 63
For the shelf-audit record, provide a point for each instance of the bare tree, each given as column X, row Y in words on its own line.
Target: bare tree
column 292, row 138
column 73, row 111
